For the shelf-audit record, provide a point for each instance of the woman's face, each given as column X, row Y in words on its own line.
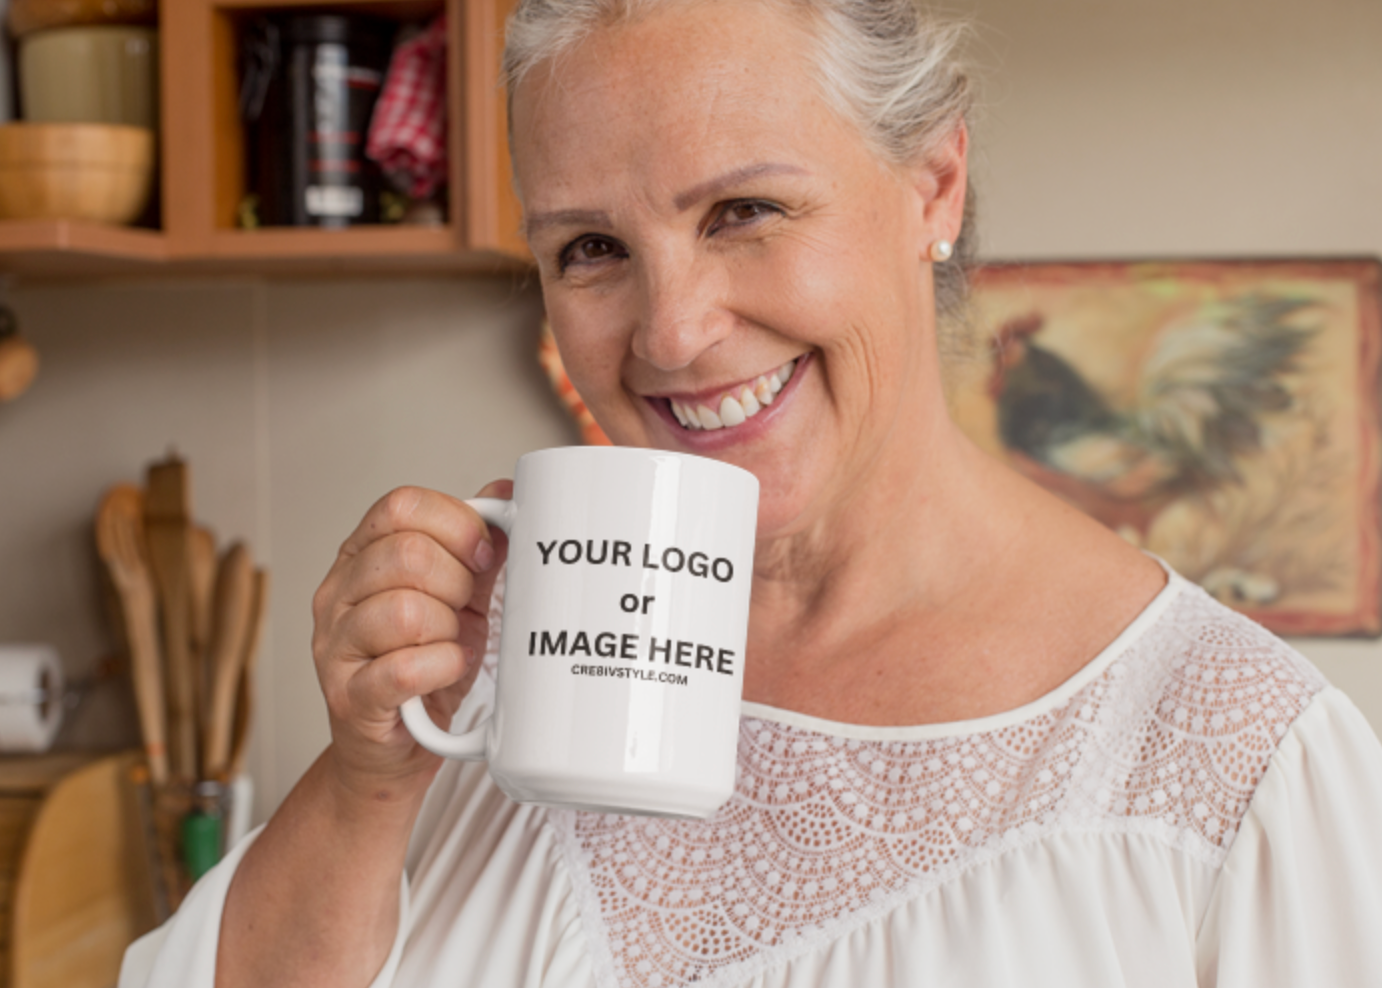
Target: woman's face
column 705, row 226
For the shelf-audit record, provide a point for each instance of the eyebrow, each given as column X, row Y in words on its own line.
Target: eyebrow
column 566, row 217
column 685, row 200
column 682, row 201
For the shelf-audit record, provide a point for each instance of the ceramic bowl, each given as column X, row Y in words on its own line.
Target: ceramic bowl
column 101, row 172
column 90, row 75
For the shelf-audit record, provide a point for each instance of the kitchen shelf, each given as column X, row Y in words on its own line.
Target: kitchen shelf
column 395, row 9
column 203, row 167
column 73, row 248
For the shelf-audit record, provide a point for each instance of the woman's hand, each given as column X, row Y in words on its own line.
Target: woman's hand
column 403, row 613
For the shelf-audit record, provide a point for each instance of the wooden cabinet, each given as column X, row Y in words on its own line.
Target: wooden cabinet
column 203, row 165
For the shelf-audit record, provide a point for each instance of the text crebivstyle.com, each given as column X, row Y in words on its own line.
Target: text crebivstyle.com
column 627, row 672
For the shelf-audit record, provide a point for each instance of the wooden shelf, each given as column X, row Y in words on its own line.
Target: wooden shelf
column 72, row 248
column 129, row 243
column 57, row 250
column 278, row 243
column 203, row 167
column 396, row 9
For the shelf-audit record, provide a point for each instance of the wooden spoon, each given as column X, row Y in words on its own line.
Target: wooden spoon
column 168, row 530
column 203, row 574
column 234, row 613
column 244, row 700
column 120, row 542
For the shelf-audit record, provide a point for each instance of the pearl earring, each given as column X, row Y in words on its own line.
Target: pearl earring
column 941, row 250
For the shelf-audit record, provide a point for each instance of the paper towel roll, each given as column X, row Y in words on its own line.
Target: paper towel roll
column 31, row 693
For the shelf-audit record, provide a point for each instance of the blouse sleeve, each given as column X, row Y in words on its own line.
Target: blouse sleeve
column 182, row 952
column 1298, row 902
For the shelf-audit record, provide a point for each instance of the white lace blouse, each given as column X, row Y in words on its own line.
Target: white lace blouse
column 1195, row 807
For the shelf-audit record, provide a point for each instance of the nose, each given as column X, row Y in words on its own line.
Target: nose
column 682, row 312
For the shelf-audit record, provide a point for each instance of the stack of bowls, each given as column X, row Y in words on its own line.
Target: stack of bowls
column 88, row 89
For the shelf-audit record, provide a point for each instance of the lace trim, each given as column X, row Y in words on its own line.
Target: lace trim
column 1092, row 669
column 826, row 833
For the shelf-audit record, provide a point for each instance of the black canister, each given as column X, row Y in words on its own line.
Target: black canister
column 310, row 85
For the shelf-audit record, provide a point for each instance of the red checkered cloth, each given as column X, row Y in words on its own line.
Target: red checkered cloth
column 407, row 134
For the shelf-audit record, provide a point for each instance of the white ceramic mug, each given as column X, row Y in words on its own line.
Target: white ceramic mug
column 621, row 658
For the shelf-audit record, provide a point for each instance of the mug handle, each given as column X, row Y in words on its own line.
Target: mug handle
column 471, row 745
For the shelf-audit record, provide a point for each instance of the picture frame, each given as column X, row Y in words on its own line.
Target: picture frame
column 1222, row 415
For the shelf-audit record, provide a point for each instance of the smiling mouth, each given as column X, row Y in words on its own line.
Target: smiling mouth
column 735, row 406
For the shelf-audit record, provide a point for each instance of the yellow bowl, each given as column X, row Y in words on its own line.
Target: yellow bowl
column 101, row 172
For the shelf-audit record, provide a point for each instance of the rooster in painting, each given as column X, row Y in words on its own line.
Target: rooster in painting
column 1201, row 389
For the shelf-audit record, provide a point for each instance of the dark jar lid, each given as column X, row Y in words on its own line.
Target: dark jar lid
column 336, row 29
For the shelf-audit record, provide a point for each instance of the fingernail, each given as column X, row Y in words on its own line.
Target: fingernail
column 484, row 556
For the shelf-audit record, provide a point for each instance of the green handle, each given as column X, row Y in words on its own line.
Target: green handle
column 201, row 843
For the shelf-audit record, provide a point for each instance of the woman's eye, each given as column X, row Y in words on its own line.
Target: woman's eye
column 590, row 250
column 744, row 212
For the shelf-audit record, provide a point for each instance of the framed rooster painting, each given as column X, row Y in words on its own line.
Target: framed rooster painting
column 1222, row 415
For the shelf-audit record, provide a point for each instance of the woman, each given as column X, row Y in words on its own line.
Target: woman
column 987, row 742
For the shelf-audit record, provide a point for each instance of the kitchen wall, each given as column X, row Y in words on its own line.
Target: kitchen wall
column 1109, row 129
column 296, row 404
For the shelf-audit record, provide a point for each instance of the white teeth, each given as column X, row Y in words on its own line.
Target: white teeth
column 735, row 409
column 684, row 414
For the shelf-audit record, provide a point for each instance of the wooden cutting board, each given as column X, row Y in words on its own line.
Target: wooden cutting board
column 25, row 781
column 82, row 893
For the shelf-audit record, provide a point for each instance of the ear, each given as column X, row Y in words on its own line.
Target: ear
column 939, row 181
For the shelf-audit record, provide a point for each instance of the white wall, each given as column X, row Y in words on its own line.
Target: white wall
column 124, row 375
column 1180, row 128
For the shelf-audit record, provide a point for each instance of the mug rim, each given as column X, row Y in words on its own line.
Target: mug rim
column 635, row 452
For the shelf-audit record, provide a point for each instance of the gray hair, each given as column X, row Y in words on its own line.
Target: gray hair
column 885, row 65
